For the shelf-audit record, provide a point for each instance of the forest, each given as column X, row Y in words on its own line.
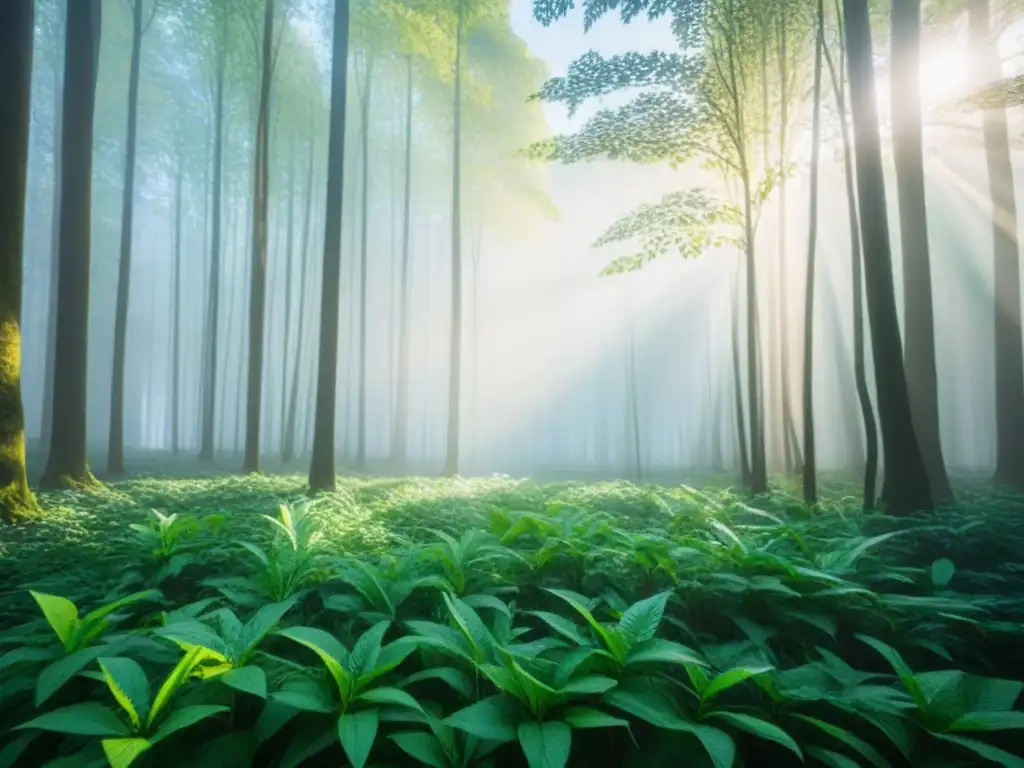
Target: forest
column 491, row 383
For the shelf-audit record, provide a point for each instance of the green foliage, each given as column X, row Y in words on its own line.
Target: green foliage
column 506, row 616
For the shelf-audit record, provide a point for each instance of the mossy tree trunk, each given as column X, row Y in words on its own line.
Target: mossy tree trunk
column 16, row 23
column 321, row 469
column 67, row 464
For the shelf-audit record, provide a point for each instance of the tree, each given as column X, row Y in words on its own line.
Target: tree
column 907, row 480
column 179, row 180
column 67, row 463
column 321, row 469
column 400, row 439
column 16, row 27
column 115, row 447
column 364, row 242
column 919, row 330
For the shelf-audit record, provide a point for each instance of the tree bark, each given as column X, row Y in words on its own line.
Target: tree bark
column 1009, row 362
column 400, row 439
column 258, row 275
column 918, row 316
column 51, row 315
column 363, row 253
column 321, row 469
column 909, row 490
column 289, row 267
column 451, row 461
column 16, row 25
column 176, row 310
column 737, row 378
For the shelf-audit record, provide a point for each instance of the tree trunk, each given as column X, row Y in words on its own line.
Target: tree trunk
column 737, row 371
column 51, row 315
column 918, row 317
column 1006, row 258
column 321, row 469
column 364, row 243
column 176, row 310
column 67, row 464
column 400, row 440
column 633, row 412
column 258, row 276
column 288, row 449
column 909, row 490
column 451, row 461
column 115, row 444
column 206, row 445
column 289, row 268
column 16, row 25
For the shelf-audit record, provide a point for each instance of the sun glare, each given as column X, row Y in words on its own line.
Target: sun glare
column 944, row 74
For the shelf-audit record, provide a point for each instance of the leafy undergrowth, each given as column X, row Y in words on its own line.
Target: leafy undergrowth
column 233, row 622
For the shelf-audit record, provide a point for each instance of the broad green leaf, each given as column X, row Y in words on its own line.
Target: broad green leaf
column 395, row 696
column 547, row 744
column 471, row 626
column 455, row 679
column 983, row 750
column 331, row 653
column 592, row 684
column 247, row 680
column 86, row 719
column 488, row 601
column 640, row 621
column 61, row 614
column 421, row 747
column 729, row 679
column 177, row 677
column 663, row 652
column 13, row 750
column 92, row 623
column 493, row 719
column 258, row 626
column 587, row 717
column 390, row 656
column 128, row 683
column 758, row 727
column 191, row 633
column 55, row 675
column 122, row 752
column 904, row 672
column 989, row 721
column 363, row 657
column 306, row 695
column 863, row 748
column 650, row 706
column 311, row 739
column 831, row 759
column 27, row 655
column 182, row 718
column 357, row 732
column 562, row 626
column 942, row 572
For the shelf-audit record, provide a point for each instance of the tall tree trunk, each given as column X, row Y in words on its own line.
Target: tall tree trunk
column 288, row 451
column 258, row 280
column 857, row 281
column 633, row 412
column 206, row 445
column 737, row 371
column 908, row 486
column 51, row 315
column 810, row 469
column 1009, row 362
column 400, row 439
column 918, row 317
column 364, row 244
column 16, row 25
column 451, row 460
column 176, row 310
column 289, row 267
column 67, row 464
column 115, row 444
column 321, row 468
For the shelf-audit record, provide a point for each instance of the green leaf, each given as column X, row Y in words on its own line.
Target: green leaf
column 394, row 696
column 641, row 620
column 729, row 679
column 305, row 695
column 942, row 572
column 863, row 748
column 367, row 648
column 12, row 751
column 422, row 747
column 311, row 739
column 331, row 652
column 61, row 614
column 28, row 655
column 831, row 759
column 616, row 644
column 177, row 677
column 488, row 601
column 493, row 719
column 258, row 626
column 562, row 626
column 92, row 623
column 357, row 732
column 592, row 684
column 182, row 718
column 247, row 680
column 989, row 721
column 760, row 728
column 587, row 717
column 904, row 672
column 986, row 751
column 53, row 676
column 86, row 719
column 122, row 752
column 663, row 652
column 547, row 744
column 190, row 633
column 455, row 679
column 128, row 683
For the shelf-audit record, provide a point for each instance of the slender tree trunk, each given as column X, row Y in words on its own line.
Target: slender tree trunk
column 67, row 464
column 289, row 268
column 288, row 450
column 908, row 486
column 810, row 469
column 176, row 310
column 451, row 461
column 51, row 315
column 1009, row 362
column 400, row 440
column 115, row 445
column 918, row 317
column 633, row 413
column 364, row 243
column 321, row 469
column 857, row 284
column 16, row 25
column 741, row 422
column 258, row 281
column 206, row 445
